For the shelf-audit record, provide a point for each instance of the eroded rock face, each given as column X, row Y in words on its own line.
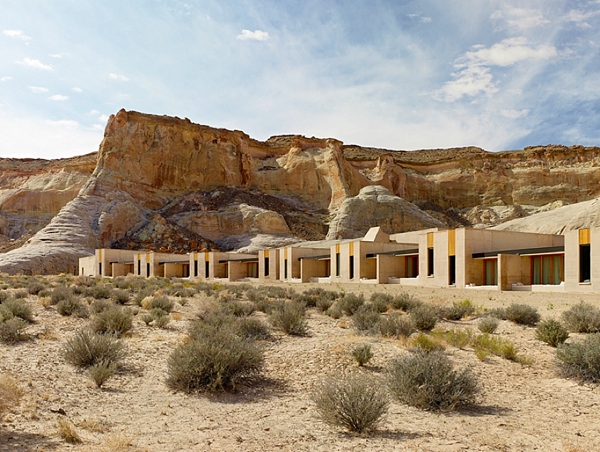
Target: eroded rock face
column 165, row 183
column 376, row 206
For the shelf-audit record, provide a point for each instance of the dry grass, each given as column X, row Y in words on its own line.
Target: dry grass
column 10, row 393
column 67, row 431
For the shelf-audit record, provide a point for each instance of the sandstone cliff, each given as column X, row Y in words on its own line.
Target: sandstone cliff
column 166, row 183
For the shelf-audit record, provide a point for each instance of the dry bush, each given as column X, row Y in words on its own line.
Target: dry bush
column 35, row 287
column 239, row 308
column 100, row 291
column 60, row 293
column 582, row 318
column 405, row 302
column 161, row 302
column 120, row 296
column 381, row 301
column 357, row 403
column 581, row 360
column 488, row 324
column 290, row 317
column 424, row 317
column 86, row 349
column 72, row 306
column 67, row 431
column 117, row 442
column 20, row 294
column 485, row 344
column 522, row 314
column 114, row 320
column 98, row 306
column 552, row 332
column 366, row 320
column 429, row 381
column 458, row 338
column 458, row 310
column 18, row 308
column 11, row 330
column 252, row 328
column 351, row 303
column 101, row 372
column 427, row 344
column 10, row 393
column 162, row 321
column 214, row 359
column 362, row 353
column 396, row 325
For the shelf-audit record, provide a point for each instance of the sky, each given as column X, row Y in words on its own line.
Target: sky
column 393, row 74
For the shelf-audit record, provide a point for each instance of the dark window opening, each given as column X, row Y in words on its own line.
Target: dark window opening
column 338, row 264
column 266, row 266
column 226, row 270
column 100, row 268
column 585, row 267
column 139, row 268
column 206, row 269
column 285, row 270
column 452, row 270
column 148, row 269
column 411, row 266
column 351, row 267
column 195, row 268
column 490, row 272
column 252, row 270
column 429, row 261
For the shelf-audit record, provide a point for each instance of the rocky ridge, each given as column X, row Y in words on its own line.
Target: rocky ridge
column 165, row 183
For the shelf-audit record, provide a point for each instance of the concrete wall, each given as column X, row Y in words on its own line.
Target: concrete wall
column 291, row 254
column 88, row 266
column 313, row 268
column 572, row 283
column 273, row 256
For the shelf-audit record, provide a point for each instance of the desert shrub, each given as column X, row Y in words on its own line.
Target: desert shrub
column 101, row 372
column 67, row 431
column 147, row 318
column 240, row 308
column 19, row 294
column 458, row 310
column 252, row 328
column 366, row 320
column 498, row 313
column 86, row 349
column 581, row 360
column 335, row 311
column 485, row 344
column 427, row 344
column 396, row 325
column 10, row 393
column 98, row 306
column 362, row 353
column 18, row 308
column 100, row 291
column 405, row 302
column 183, row 301
column 351, row 303
column 213, row 359
column 458, row 338
column 428, row 381
column 72, row 306
column 11, row 330
column 179, row 290
column 4, row 295
column 60, row 293
column 114, row 320
column 488, row 324
column 162, row 321
column 35, row 287
column 582, row 318
column 318, row 297
column 357, row 403
column 522, row 314
column 381, row 301
column 290, row 317
column 255, row 295
column 552, row 332
column 120, row 296
column 278, row 291
column 142, row 294
column 161, row 302
column 424, row 317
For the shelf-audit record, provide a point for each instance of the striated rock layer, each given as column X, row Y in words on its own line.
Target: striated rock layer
column 165, row 183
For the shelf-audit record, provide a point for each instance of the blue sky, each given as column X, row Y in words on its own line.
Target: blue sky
column 391, row 74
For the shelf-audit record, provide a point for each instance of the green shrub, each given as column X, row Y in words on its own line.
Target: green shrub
column 396, row 325
column 405, row 302
column 239, row 308
column 582, row 318
column 427, row 344
column 162, row 321
column 114, row 320
column 581, row 360
column 362, row 353
column 424, row 317
column 485, row 344
column 35, row 287
column 147, row 318
column 357, row 403
column 100, row 291
column 11, row 330
column 290, row 317
column 120, row 296
column 86, row 349
column 72, row 306
column 522, row 314
column 18, row 308
column 428, row 381
column 488, row 324
column 458, row 310
column 252, row 328
column 60, row 293
column 351, row 303
column 366, row 320
column 213, row 360
column 98, row 306
column 161, row 302
column 552, row 332
column 381, row 301
column 4, row 295
column 458, row 338
column 318, row 297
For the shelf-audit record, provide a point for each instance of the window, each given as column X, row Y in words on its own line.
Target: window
column 285, row 270
column 430, row 262
column 351, row 267
column 148, row 269
column 490, row 272
column 226, row 270
column 252, row 269
column 412, row 266
column 100, row 268
column 452, row 270
column 338, row 264
column 206, row 269
column 266, row 266
column 584, row 263
column 139, row 273
column 195, row 268
column 547, row 269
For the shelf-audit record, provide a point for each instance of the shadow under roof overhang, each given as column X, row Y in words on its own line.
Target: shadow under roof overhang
column 249, row 259
column 411, row 252
column 522, row 252
column 321, row 257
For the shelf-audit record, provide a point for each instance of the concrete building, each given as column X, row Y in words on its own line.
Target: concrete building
column 582, row 260
column 107, row 263
column 305, row 262
column 223, row 266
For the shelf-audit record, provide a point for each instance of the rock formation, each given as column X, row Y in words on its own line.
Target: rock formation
column 164, row 183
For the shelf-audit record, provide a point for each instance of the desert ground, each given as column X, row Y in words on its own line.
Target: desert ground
column 522, row 407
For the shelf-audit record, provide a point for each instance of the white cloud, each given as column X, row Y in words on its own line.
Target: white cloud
column 38, row 89
column 93, row 112
column 103, row 118
column 55, row 55
column 422, row 19
column 59, row 97
column 521, row 18
column 98, row 127
column 17, row 34
column 64, row 123
column 6, row 78
column 118, row 77
column 580, row 18
column 514, row 114
column 35, row 64
column 77, row 90
column 468, row 82
column 257, row 35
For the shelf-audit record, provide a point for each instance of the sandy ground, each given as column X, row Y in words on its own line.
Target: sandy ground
column 521, row 408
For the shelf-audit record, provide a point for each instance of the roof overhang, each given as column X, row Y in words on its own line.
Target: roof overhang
column 522, row 252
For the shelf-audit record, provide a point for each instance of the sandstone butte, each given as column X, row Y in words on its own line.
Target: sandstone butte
column 165, row 183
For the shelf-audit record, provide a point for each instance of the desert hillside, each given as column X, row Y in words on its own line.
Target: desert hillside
column 164, row 183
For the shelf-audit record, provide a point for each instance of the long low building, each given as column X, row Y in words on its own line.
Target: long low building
column 462, row 258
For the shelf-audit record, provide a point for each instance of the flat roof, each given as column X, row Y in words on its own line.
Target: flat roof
column 522, row 252
column 395, row 253
column 248, row 259
column 173, row 262
column 319, row 257
column 121, row 262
